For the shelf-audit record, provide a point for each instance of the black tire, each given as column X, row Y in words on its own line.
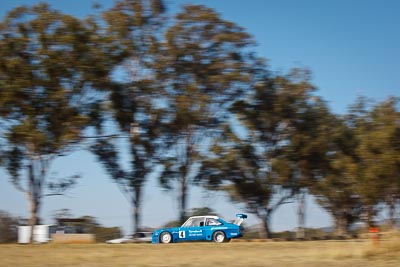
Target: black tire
column 219, row 237
column 165, row 238
column 227, row 240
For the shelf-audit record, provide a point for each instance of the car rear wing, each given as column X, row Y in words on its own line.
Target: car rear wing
column 240, row 218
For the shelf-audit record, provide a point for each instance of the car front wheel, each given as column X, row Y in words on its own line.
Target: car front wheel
column 219, row 237
column 165, row 238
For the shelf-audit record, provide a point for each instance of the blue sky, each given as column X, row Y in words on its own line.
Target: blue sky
column 351, row 47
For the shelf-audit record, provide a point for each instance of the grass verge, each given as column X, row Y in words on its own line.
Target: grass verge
column 312, row 253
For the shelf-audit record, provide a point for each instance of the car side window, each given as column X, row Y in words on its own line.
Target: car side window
column 212, row 222
column 198, row 222
column 194, row 222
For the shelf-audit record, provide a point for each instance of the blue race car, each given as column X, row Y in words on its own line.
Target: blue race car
column 201, row 228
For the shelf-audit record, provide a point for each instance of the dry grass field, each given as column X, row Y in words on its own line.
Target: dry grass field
column 310, row 253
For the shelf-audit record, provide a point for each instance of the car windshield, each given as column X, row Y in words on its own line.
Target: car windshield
column 192, row 222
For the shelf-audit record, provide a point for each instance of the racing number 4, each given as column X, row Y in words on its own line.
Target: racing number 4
column 181, row 234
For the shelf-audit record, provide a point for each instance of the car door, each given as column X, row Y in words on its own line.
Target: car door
column 192, row 230
column 193, row 233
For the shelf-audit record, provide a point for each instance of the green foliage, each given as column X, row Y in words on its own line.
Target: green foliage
column 202, row 211
column 46, row 67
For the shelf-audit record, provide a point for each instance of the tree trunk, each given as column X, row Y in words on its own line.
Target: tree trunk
column 392, row 215
column 265, row 232
column 135, row 216
column 182, row 200
column 34, row 209
column 33, row 196
column 391, row 202
column 184, row 169
column 342, row 224
column 301, row 215
column 136, row 212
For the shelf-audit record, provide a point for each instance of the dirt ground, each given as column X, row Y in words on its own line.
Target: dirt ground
column 354, row 253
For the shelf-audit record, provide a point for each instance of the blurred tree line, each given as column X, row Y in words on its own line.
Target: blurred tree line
column 8, row 227
column 194, row 105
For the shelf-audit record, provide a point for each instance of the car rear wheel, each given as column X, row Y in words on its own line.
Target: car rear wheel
column 165, row 238
column 219, row 237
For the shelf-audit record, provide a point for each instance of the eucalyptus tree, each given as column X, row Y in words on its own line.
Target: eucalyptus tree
column 363, row 172
column 131, row 31
column 203, row 65
column 386, row 132
column 49, row 67
column 378, row 130
column 264, row 164
column 304, row 158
